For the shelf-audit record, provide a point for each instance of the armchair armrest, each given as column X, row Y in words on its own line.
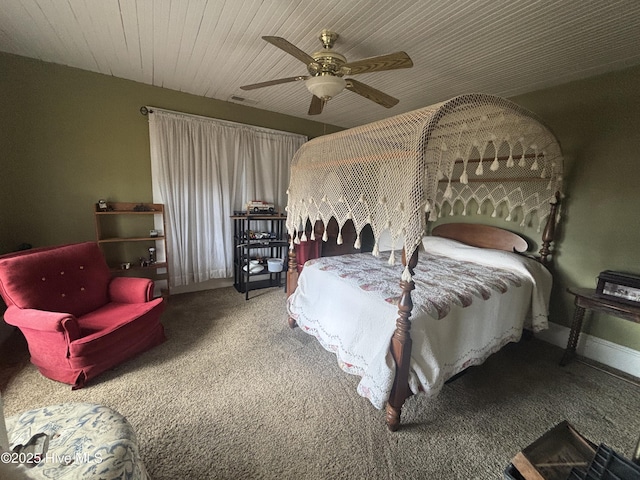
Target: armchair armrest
column 43, row 321
column 130, row 290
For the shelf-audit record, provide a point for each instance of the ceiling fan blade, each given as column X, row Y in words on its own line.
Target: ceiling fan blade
column 391, row 61
column 317, row 104
column 253, row 86
column 291, row 49
column 371, row 93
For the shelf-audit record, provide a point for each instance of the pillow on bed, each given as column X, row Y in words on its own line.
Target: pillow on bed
column 386, row 243
column 444, row 246
column 485, row 256
column 538, row 273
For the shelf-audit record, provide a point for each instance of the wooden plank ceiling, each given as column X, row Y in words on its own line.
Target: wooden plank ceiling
column 212, row 47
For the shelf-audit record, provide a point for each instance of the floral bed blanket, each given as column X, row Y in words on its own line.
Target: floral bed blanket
column 468, row 303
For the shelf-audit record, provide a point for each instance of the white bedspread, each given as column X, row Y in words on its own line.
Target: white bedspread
column 349, row 303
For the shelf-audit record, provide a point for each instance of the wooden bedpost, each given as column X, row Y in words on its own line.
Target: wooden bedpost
column 549, row 231
column 292, row 272
column 401, row 348
column 292, row 280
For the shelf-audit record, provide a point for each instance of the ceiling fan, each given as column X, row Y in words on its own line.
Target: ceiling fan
column 327, row 68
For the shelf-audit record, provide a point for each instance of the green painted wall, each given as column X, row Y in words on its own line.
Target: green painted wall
column 69, row 137
column 596, row 121
column 598, row 124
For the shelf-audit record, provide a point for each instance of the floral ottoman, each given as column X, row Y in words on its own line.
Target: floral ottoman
column 74, row 441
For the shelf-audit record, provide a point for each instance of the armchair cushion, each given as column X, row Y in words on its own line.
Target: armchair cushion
column 72, row 278
column 77, row 320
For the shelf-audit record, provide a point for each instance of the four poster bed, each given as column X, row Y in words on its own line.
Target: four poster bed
column 475, row 289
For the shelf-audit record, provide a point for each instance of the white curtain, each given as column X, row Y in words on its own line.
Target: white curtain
column 202, row 170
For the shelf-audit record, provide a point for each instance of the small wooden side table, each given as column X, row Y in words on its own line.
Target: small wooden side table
column 587, row 299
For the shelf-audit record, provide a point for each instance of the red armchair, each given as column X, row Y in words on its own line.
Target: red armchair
column 78, row 321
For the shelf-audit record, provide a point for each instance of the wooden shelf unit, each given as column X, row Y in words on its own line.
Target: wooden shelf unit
column 113, row 233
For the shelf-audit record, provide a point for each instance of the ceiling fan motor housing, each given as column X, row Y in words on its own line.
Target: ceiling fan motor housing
column 327, row 62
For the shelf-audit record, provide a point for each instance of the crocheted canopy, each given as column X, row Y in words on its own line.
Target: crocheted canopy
column 396, row 173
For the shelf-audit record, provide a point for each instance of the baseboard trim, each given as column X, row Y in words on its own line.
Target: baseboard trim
column 207, row 285
column 593, row 348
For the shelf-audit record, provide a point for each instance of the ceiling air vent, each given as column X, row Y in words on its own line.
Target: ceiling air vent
column 239, row 99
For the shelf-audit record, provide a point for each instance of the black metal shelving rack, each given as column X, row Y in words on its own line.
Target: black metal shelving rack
column 247, row 249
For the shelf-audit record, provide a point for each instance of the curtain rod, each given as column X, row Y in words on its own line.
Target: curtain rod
column 146, row 110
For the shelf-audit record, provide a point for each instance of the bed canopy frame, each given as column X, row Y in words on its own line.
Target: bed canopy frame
column 399, row 173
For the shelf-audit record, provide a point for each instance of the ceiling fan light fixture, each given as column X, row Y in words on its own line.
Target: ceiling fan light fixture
column 325, row 86
column 327, row 67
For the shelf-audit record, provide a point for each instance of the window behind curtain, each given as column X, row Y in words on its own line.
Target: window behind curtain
column 202, row 170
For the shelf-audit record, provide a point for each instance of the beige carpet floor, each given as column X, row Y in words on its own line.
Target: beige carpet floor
column 235, row 394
